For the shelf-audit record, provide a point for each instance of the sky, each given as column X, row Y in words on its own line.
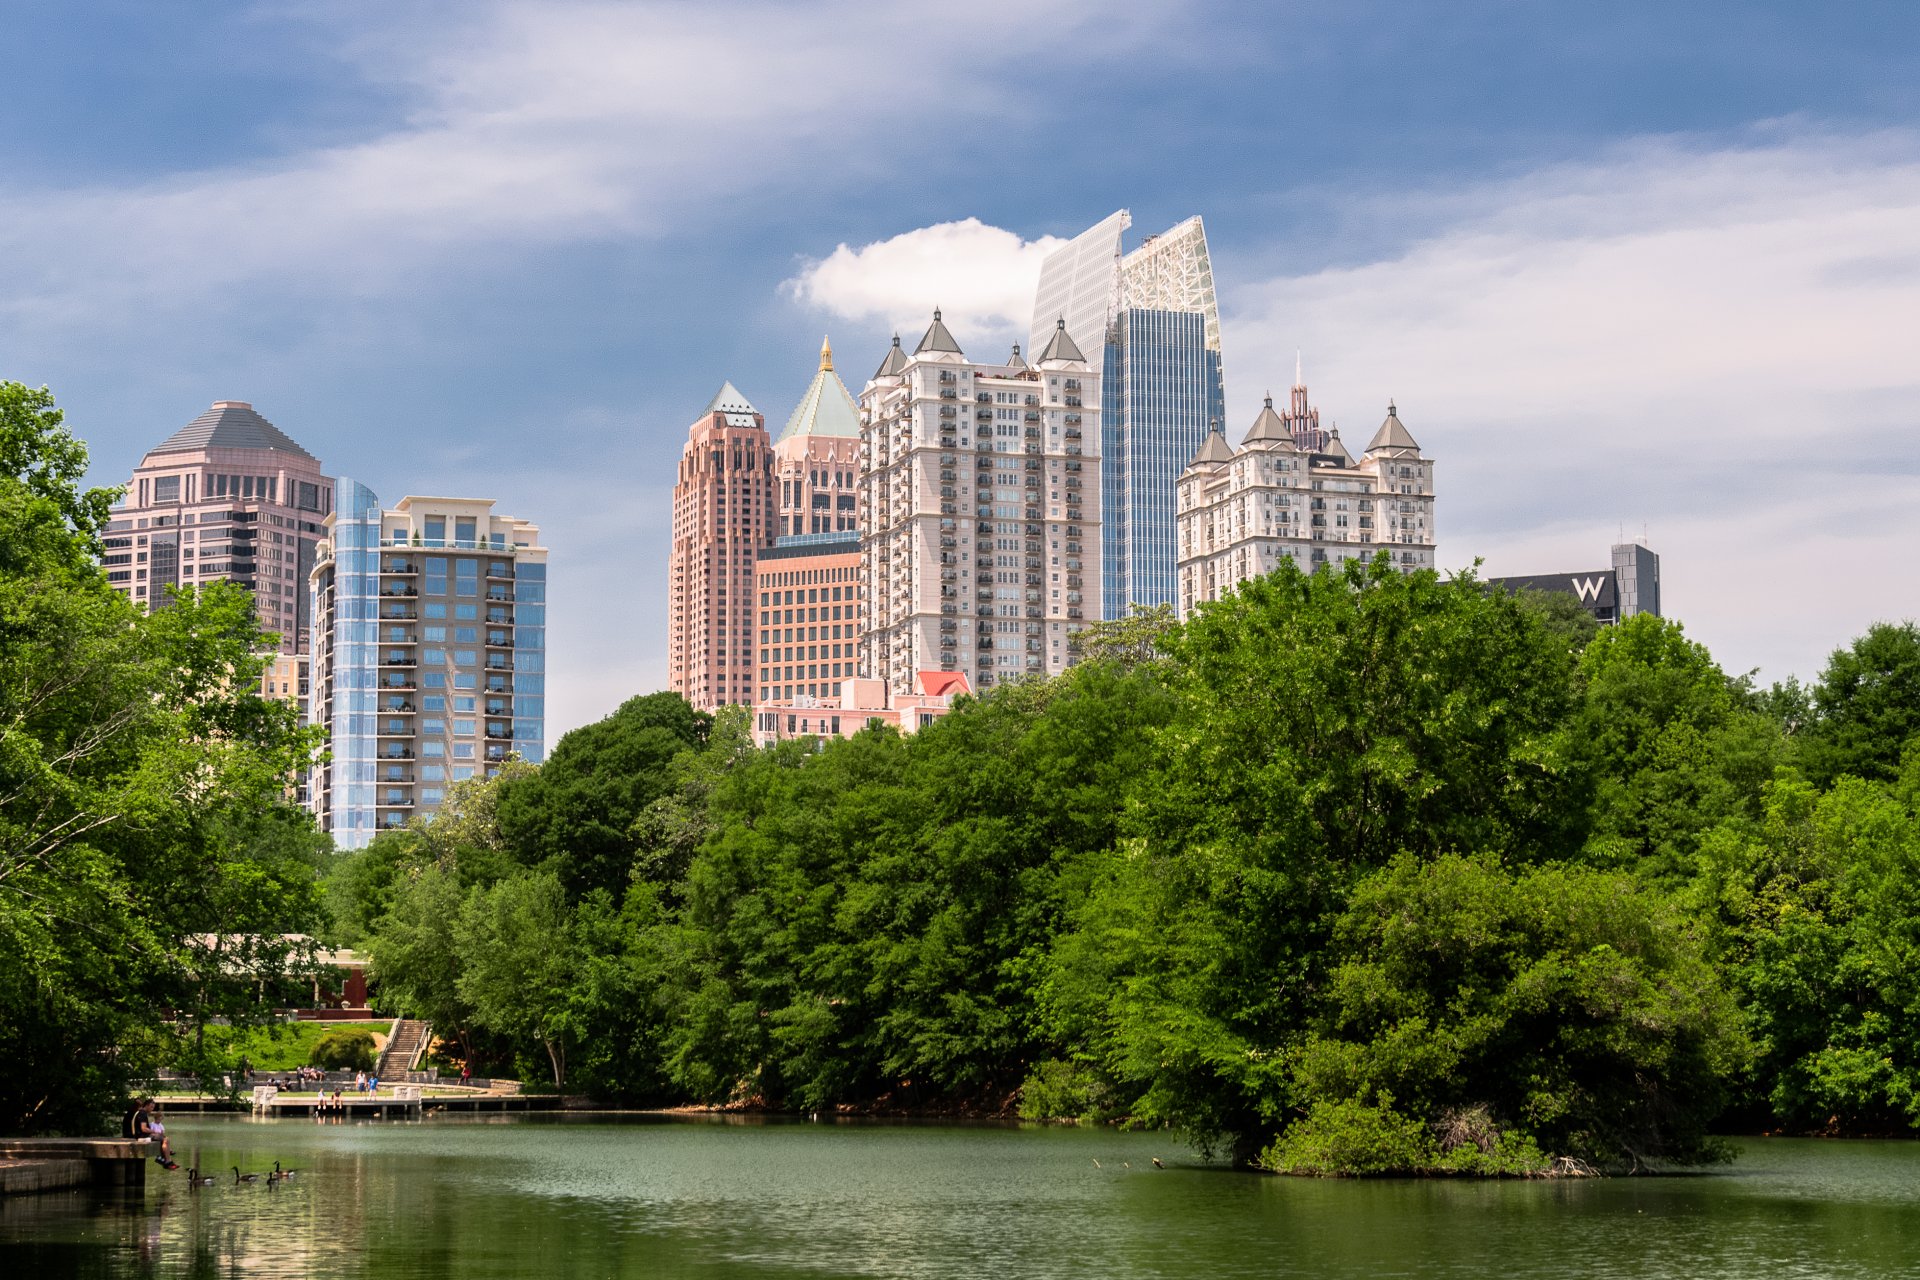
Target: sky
column 1636, row 269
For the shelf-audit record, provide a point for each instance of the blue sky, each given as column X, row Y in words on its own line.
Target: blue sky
column 1633, row 266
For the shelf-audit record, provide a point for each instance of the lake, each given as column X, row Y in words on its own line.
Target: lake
column 530, row 1196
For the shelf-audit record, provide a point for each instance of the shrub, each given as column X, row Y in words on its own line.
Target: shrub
column 344, row 1050
column 1059, row 1090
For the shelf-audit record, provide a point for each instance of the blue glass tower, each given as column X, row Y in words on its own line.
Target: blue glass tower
column 1160, row 392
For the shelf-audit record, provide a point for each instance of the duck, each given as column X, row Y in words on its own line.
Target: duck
column 283, row 1173
column 239, row 1177
column 1157, row 1164
column 195, row 1180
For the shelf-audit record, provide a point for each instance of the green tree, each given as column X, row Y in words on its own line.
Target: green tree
column 576, row 814
column 149, row 857
column 1323, row 724
column 1562, row 614
column 518, row 964
column 1670, row 746
column 1817, row 917
column 1867, row 704
column 1503, row 1013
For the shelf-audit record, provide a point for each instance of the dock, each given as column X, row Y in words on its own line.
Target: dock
column 53, row 1164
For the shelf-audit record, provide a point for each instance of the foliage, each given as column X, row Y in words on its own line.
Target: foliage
column 1670, row 746
column 150, row 859
column 1562, row 614
column 515, row 947
column 345, row 1049
column 575, row 815
column 1568, row 1006
column 1321, row 726
column 1350, row 1138
column 1817, row 910
column 1868, row 704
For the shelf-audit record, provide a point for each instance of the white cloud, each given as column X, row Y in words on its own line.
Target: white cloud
column 1717, row 345
column 981, row 277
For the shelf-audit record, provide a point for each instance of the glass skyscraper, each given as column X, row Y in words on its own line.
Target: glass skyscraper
column 1153, row 317
column 429, row 655
column 1158, row 397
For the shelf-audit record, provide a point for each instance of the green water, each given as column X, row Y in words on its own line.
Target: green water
column 471, row 1199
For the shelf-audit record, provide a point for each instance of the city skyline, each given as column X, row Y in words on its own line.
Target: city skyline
column 471, row 235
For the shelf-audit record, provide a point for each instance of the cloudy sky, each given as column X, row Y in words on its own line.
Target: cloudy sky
column 1640, row 267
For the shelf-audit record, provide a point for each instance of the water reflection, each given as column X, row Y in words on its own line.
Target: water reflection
column 530, row 1196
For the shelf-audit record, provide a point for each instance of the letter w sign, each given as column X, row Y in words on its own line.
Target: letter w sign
column 1588, row 589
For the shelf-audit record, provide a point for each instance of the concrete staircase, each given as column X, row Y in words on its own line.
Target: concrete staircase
column 406, row 1044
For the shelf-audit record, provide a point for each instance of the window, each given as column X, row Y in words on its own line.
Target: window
column 166, row 489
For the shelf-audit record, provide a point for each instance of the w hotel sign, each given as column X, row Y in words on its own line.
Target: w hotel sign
column 1631, row 586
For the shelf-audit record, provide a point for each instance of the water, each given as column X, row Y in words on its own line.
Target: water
column 473, row 1199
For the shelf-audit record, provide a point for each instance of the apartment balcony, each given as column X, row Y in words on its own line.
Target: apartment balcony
column 399, row 592
column 395, row 753
column 395, row 707
column 498, row 731
column 499, row 595
column 394, row 804
column 1073, row 613
column 399, row 568
column 402, row 683
column 500, row 571
column 395, row 659
column 499, row 615
column 398, row 612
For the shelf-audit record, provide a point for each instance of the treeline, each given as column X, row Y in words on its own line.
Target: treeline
column 152, row 861
column 1352, row 872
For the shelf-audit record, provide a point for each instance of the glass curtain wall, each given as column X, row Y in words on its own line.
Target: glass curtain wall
column 1162, row 392
column 355, row 661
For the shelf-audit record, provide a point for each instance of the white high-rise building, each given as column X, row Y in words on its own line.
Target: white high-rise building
column 979, row 511
column 1292, row 491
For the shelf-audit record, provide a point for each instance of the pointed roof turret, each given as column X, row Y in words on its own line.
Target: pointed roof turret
column 1269, row 427
column 737, row 409
column 826, row 353
column 827, row 408
column 1393, row 436
column 937, row 339
column 1214, row 450
column 230, row 424
column 1061, row 346
column 896, row 362
column 1336, row 448
column 1015, row 361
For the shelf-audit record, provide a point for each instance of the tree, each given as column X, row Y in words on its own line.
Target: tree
column 1488, row 1015
column 1816, row 917
column 1669, row 745
column 1562, row 614
column 1867, row 704
column 1323, row 725
column 576, row 814
column 150, row 859
column 38, row 452
column 518, row 964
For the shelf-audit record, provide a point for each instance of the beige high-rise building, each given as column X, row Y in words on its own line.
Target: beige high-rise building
column 724, row 512
column 429, row 655
column 979, row 511
column 1292, row 491
column 230, row 498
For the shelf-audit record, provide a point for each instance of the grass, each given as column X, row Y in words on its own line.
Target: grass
column 282, row 1046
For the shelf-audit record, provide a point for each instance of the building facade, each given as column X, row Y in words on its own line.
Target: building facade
column 227, row 498
column 807, row 583
column 809, row 615
column 1291, row 491
column 429, row 655
column 724, row 513
column 1153, row 320
column 1630, row 586
column 979, row 511
column 855, row 704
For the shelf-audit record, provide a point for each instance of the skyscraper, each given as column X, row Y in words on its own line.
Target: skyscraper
column 808, row 581
column 1292, row 491
column 1153, row 318
column 229, row 497
column 979, row 521
column 724, row 512
column 429, row 655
